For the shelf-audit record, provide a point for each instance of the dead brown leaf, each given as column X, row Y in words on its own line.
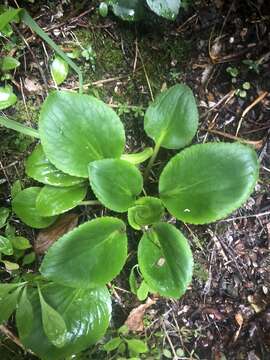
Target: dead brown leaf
column 135, row 319
column 32, row 86
column 48, row 236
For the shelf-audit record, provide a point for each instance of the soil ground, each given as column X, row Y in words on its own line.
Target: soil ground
column 225, row 314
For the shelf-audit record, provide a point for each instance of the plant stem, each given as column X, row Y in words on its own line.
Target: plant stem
column 90, row 202
column 152, row 159
column 15, row 125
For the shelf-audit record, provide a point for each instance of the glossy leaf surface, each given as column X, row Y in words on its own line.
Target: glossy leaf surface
column 38, row 167
column 24, row 315
column 76, row 129
column 86, row 314
column 5, row 246
column 24, row 206
column 7, row 97
column 77, row 259
column 56, row 200
column 146, row 211
column 172, row 119
column 165, row 8
column 115, row 182
column 54, row 325
column 206, row 182
column 165, row 260
column 59, row 70
column 129, row 10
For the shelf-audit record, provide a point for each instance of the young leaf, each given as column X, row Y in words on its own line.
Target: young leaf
column 10, row 266
column 76, row 129
column 165, row 8
column 115, row 182
column 8, row 16
column 9, row 63
column 112, row 344
column 56, row 200
column 24, row 206
column 85, row 312
column 7, row 97
column 20, row 242
column 172, row 119
column 53, row 324
column 165, row 260
column 133, row 281
column 4, row 213
column 129, row 10
column 38, row 167
column 137, row 346
column 138, row 158
column 77, row 259
column 5, row 246
column 29, row 258
column 24, row 315
column 59, row 70
column 8, row 305
column 143, row 291
column 16, row 188
column 146, row 211
column 206, row 182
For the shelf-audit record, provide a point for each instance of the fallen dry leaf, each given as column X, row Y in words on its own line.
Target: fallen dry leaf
column 32, row 86
column 135, row 319
column 48, row 236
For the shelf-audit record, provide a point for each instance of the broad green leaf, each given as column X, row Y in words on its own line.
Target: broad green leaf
column 137, row 346
column 59, row 70
column 206, row 182
column 10, row 266
column 172, row 119
column 76, row 129
column 129, row 10
column 112, row 344
column 29, row 258
column 7, row 97
column 38, row 167
column 8, row 16
column 20, row 242
column 4, row 213
column 24, row 206
column 56, row 200
column 165, row 260
column 115, row 182
column 85, row 312
column 24, row 315
column 143, row 291
column 138, row 158
column 54, row 325
column 8, row 63
column 5, row 246
column 146, row 211
column 8, row 305
column 16, row 188
column 6, row 288
column 165, row 8
column 77, row 259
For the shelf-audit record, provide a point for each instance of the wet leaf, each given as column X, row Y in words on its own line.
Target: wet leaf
column 206, row 182
column 76, row 129
column 24, row 206
column 54, row 325
column 47, row 237
column 54, row 200
column 165, row 260
column 165, row 8
column 129, row 10
column 86, row 314
column 59, row 70
column 115, row 182
column 77, row 259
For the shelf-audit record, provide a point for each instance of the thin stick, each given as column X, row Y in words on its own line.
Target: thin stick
column 255, row 102
column 15, row 125
column 256, row 144
column 247, row 216
column 145, row 74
